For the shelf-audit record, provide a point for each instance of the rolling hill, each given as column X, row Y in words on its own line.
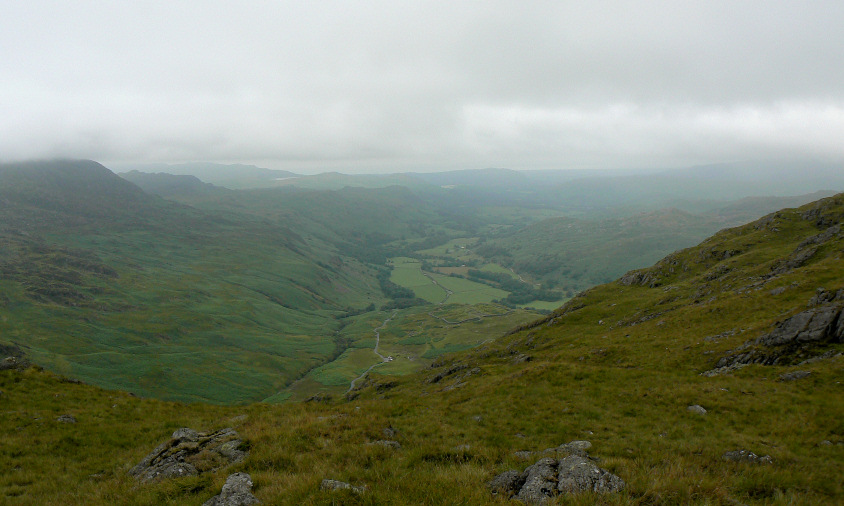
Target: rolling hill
column 114, row 286
column 712, row 377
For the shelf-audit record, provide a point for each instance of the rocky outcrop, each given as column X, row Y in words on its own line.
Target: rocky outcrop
column 392, row 445
column 793, row 376
column 553, row 476
column 570, row 448
column 236, row 492
column 446, row 373
column 334, row 486
column 746, row 456
column 12, row 358
column 792, row 340
column 189, row 453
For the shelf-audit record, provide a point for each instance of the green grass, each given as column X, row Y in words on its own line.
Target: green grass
column 468, row 292
column 407, row 272
column 179, row 315
column 598, row 370
column 543, row 305
column 413, row 337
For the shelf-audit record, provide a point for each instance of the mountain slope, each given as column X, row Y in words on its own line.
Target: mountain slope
column 226, row 175
column 103, row 282
column 618, row 366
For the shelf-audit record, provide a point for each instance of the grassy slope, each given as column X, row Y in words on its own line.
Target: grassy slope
column 103, row 282
column 601, row 370
column 574, row 254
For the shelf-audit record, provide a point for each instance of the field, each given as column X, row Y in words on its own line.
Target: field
column 407, row 272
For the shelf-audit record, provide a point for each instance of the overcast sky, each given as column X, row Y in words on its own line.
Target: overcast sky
column 402, row 85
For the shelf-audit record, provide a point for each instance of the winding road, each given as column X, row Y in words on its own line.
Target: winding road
column 374, row 350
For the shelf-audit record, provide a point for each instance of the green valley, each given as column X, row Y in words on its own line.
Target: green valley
column 712, row 377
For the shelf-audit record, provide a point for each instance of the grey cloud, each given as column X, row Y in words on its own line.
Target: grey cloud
column 422, row 85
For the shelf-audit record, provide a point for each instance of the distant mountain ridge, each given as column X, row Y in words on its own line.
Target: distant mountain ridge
column 227, row 175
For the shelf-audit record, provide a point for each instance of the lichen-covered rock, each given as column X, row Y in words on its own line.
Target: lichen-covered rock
column 507, row 483
column 335, row 485
column 189, row 453
column 565, row 449
column 66, row 419
column 697, row 409
column 393, row 445
column 746, row 456
column 792, row 376
column 550, row 477
column 798, row 337
column 540, row 482
column 579, row 474
column 236, row 492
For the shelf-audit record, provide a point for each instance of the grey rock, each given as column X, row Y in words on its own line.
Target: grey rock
column 334, row 485
column 185, row 434
column 550, row 477
column 394, row 445
column 791, row 340
column 746, row 456
column 18, row 363
column 792, row 376
column 808, row 326
column 507, row 483
column 824, row 297
column 825, row 442
column 66, row 419
column 236, row 492
column 448, row 372
column 579, row 474
column 570, row 448
column 540, row 482
column 795, row 260
column 698, row 409
column 187, row 451
column 823, row 356
column 389, row 432
column 521, row 358
column 523, row 454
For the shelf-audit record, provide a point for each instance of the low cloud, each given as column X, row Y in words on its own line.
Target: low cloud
column 381, row 86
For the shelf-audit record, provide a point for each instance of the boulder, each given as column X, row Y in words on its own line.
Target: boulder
column 189, row 453
column 792, row 376
column 540, row 481
column 792, row 340
column 698, row 409
column 66, row 419
column 746, row 456
column 508, row 483
column 335, row 485
column 579, row 474
column 393, row 445
column 550, row 477
column 236, row 492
